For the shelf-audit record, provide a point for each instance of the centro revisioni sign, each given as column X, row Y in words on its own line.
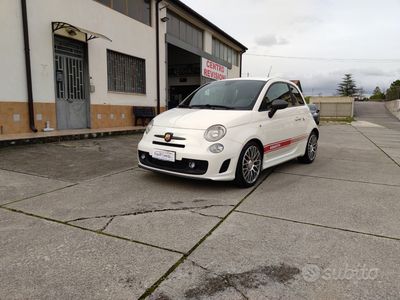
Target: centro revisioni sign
column 213, row 70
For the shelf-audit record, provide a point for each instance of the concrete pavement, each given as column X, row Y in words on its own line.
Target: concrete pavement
column 80, row 220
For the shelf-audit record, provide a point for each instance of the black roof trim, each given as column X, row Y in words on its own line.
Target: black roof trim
column 189, row 10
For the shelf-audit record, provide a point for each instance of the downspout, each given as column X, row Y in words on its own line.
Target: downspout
column 158, row 53
column 240, row 65
column 28, row 67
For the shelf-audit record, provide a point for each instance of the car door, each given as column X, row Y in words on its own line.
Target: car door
column 301, row 117
column 280, row 132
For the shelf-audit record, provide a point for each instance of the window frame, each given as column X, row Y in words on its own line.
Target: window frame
column 224, row 52
column 134, row 92
column 126, row 13
column 261, row 109
column 292, row 86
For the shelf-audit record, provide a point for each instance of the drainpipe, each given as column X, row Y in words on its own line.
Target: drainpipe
column 158, row 53
column 28, row 67
column 240, row 65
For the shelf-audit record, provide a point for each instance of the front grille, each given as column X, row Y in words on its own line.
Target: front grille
column 179, row 166
column 173, row 137
column 168, row 144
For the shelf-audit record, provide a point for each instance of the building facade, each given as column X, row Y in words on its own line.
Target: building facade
column 91, row 61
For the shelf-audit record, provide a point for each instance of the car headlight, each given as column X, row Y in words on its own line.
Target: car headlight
column 149, row 126
column 215, row 133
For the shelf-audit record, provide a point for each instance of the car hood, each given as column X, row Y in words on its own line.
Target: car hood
column 201, row 118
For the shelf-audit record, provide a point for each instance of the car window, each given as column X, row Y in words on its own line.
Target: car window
column 298, row 99
column 276, row 91
column 231, row 94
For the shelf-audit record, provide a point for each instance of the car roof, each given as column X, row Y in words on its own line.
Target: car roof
column 266, row 79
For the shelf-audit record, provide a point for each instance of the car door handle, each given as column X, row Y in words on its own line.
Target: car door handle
column 298, row 119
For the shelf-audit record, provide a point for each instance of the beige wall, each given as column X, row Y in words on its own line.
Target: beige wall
column 14, row 116
column 394, row 107
column 334, row 106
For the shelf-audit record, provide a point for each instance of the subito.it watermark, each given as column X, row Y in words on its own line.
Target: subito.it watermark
column 312, row 273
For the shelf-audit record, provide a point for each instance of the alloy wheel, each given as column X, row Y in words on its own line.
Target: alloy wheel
column 251, row 164
column 312, row 147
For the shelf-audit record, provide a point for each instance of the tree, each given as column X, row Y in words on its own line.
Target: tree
column 393, row 92
column 361, row 92
column 347, row 88
column 377, row 94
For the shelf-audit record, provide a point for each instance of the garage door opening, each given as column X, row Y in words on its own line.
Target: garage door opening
column 183, row 74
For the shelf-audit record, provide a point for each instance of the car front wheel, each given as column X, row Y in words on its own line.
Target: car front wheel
column 249, row 166
column 311, row 149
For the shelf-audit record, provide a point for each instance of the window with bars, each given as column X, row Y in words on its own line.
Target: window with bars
column 224, row 52
column 125, row 73
column 137, row 9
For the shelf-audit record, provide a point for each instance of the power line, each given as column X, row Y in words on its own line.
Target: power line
column 363, row 60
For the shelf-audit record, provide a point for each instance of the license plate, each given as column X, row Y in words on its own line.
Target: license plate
column 164, row 155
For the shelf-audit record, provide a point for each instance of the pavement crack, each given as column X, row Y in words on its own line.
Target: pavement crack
column 205, row 215
column 106, row 225
column 88, row 230
column 185, row 256
column 38, row 195
column 337, row 179
column 143, row 212
column 320, row 225
column 376, row 145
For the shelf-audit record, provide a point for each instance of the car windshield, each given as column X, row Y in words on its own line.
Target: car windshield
column 230, row 94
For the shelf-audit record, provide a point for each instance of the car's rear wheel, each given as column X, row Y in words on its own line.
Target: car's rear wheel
column 311, row 149
column 249, row 165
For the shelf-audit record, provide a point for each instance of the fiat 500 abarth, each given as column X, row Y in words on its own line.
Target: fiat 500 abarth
column 231, row 130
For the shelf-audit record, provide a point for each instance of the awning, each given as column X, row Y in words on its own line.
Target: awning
column 90, row 35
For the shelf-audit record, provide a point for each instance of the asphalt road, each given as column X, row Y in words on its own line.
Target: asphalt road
column 79, row 220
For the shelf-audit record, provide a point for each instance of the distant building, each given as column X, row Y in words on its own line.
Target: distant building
column 93, row 60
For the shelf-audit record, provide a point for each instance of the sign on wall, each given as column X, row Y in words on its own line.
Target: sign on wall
column 213, row 70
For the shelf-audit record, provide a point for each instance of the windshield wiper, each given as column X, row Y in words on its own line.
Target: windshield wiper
column 210, row 106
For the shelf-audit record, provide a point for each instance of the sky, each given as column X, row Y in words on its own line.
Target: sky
column 318, row 41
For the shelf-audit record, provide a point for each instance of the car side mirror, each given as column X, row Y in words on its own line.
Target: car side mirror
column 277, row 105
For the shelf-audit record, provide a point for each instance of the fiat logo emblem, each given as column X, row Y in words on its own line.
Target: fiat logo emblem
column 168, row 137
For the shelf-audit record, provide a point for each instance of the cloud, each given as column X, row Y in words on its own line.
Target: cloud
column 270, row 40
column 306, row 20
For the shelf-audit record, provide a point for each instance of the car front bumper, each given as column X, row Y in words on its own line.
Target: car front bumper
column 193, row 158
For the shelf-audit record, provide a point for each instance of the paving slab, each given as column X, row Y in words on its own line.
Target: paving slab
column 131, row 192
column 73, row 161
column 394, row 154
column 177, row 230
column 45, row 260
column 251, row 257
column 16, row 186
column 368, row 208
column 162, row 210
column 362, row 171
column 338, row 128
column 351, row 146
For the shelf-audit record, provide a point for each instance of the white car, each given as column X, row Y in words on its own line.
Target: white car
column 231, row 130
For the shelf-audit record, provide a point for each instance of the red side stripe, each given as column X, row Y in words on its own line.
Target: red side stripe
column 282, row 144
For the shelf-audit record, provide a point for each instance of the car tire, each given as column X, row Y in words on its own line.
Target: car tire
column 311, row 149
column 249, row 165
